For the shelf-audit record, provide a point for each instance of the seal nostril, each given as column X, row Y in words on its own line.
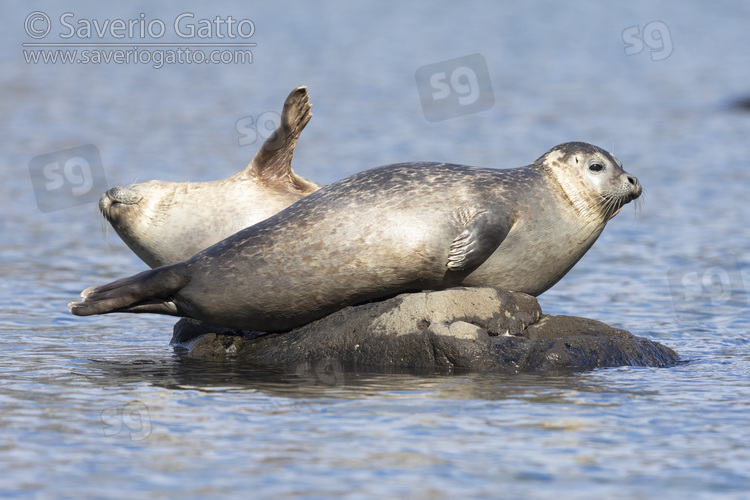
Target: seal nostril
column 632, row 180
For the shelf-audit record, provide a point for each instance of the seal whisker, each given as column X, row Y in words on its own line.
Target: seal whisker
column 638, row 206
column 104, row 226
column 602, row 207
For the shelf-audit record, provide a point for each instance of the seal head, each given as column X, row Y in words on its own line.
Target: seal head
column 601, row 187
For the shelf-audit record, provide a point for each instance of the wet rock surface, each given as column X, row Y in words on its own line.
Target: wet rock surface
column 459, row 329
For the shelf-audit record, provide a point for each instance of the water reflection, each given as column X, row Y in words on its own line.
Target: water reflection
column 331, row 383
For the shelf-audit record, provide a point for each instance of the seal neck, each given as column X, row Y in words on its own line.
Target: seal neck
column 579, row 196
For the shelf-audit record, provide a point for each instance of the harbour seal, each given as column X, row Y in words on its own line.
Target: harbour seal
column 397, row 228
column 168, row 222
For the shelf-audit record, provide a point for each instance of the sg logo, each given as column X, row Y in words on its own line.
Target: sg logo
column 456, row 87
column 655, row 36
column 264, row 127
column 463, row 81
column 327, row 371
column 133, row 419
column 711, row 287
column 67, row 178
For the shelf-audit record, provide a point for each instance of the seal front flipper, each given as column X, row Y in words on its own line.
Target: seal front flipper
column 147, row 292
column 273, row 162
column 483, row 231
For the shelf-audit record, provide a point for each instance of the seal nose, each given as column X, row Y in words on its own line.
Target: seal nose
column 120, row 194
column 117, row 195
column 636, row 189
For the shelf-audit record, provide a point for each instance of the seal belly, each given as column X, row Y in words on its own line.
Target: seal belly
column 536, row 255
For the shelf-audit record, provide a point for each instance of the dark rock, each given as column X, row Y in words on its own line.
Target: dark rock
column 742, row 104
column 460, row 329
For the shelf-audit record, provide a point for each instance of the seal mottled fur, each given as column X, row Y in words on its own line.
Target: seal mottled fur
column 411, row 226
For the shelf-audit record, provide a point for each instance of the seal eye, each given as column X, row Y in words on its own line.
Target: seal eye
column 596, row 167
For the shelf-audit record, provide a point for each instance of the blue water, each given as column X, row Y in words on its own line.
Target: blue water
column 103, row 408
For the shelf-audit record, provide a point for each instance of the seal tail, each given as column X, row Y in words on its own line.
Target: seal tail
column 147, row 292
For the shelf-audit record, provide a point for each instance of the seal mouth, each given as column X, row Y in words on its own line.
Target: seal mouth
column 626, row 192
column 117, row 195
column 613, row 201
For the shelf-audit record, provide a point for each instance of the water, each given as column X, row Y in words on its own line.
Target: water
column 103, row 407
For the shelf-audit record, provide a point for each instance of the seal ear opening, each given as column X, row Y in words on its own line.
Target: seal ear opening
column 147, row 292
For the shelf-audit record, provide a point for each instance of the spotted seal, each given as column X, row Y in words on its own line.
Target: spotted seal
column 168, row 222
column 397, row 228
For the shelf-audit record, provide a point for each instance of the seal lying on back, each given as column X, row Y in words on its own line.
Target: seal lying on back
column 397, row 228
column 168, row 222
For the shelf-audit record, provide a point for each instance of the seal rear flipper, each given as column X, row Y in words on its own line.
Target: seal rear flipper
column 273, row 161
column 482, row 234
column 147, row 292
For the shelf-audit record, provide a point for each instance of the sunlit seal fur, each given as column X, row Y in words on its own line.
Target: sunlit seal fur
column 168, row 222
column 397, row 228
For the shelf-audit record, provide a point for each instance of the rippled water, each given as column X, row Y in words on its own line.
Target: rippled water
column 103, row 407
